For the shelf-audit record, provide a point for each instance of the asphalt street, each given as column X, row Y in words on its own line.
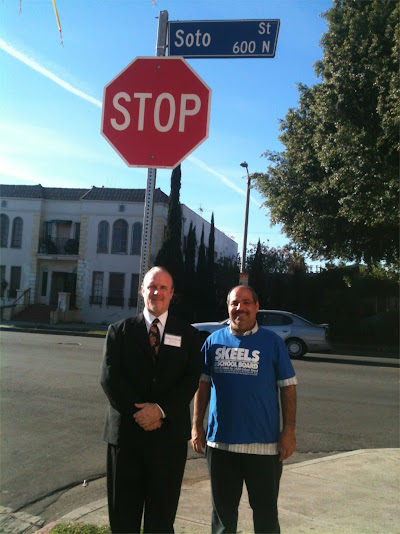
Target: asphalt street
column 53, row 409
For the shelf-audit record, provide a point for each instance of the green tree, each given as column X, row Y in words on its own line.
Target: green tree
column 190, row 252
column 277, row 275
column 201, row 280
column 211, row 297
column 257, row 273
column 335, row 186
column 227, row 275
column 170, row 254
column 189, row 293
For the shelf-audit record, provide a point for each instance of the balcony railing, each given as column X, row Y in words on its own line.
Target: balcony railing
column 58, row 245
column 12, row 293
column 115, row 301
column 96, row 299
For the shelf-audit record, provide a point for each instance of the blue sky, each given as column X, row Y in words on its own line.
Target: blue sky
column 51, row 97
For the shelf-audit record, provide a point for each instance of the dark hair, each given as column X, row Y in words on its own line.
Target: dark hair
column 254, row 294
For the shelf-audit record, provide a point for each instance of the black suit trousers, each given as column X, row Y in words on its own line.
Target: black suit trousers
column 144, row 480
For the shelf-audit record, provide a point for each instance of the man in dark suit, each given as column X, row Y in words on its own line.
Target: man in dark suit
column 150, row 372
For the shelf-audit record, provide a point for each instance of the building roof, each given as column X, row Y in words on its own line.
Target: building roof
column 122, row 195
column 68, row 194
column 21, row 191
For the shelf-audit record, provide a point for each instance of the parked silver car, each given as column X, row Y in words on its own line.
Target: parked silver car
column 300, row 335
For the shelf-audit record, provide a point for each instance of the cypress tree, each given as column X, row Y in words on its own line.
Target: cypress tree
column 170, row 254
column 201, row 276
column 190, row 253
column 189, row 290
column 257, row 275
column 211, row 296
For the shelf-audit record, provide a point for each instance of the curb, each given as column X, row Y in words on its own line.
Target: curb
column 50, row 332
column 47, row 528
column 78, row 513
column 359, row 352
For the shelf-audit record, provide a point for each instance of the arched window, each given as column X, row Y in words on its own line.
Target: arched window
column 16, row 234
column 4, row 225
column 119, row 237
column 102, row 237
column 136, row 239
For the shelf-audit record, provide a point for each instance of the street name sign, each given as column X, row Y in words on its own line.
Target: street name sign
column 223, row 38
column 156, row 112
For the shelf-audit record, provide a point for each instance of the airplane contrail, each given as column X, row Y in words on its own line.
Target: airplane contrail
column 48, row 74
column 29, row 62
column 221, row 177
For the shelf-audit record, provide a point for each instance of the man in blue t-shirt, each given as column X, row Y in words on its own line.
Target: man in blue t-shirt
column 244, row 370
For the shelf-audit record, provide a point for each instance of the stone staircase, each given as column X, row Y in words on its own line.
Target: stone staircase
column 35, row 313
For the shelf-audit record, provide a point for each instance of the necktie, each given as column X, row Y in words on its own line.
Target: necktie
column 154, row 335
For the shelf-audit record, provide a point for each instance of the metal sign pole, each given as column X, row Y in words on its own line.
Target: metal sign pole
column 151, row 176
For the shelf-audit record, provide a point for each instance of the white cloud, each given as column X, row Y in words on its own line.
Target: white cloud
column 9, row 49
column 21, row 140
column 222, row 178
column 10, row 170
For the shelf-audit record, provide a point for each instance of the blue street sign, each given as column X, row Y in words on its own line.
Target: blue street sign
column 223, row 38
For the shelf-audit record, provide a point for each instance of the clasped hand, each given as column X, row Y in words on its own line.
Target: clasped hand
column 149, row 416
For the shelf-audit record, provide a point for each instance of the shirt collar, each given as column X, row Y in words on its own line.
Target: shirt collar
column 248, row 333
column 149, row 318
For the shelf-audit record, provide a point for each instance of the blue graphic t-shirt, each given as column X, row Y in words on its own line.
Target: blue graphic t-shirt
column 245, row 372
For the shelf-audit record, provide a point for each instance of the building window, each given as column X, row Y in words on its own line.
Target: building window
column 102, row 237
column 4, row 225
column 16, row 234
column 119, row 237
column 133, row 300
column 136, row 239
column 116, row 290
column 15, row 282
column 45, row 276
column 97, row 288
column 3, row 281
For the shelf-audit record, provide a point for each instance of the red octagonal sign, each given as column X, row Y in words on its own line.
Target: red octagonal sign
column 156, row 112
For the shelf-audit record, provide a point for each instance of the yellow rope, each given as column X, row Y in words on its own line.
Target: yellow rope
column 58, row 21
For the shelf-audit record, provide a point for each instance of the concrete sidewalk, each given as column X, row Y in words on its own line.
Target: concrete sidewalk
column 350, row 493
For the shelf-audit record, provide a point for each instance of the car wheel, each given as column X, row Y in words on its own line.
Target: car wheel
column 296, row 348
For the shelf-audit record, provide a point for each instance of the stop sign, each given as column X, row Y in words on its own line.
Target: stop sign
column 156, row 112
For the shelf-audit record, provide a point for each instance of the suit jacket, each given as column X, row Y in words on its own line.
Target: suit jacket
column 129, row 375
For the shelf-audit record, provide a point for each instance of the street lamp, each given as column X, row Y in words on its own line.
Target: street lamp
column 246, row 219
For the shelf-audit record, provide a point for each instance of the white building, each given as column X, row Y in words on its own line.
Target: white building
column 86, row 243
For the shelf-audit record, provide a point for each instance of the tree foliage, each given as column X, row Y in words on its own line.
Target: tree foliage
column 170, row 254
column 211, row 297
column 272, row 273
column 189, row 292
column 335, row 186
column 196, row 297
column 190, row 252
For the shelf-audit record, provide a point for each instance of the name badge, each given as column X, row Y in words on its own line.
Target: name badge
column 173, row 341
